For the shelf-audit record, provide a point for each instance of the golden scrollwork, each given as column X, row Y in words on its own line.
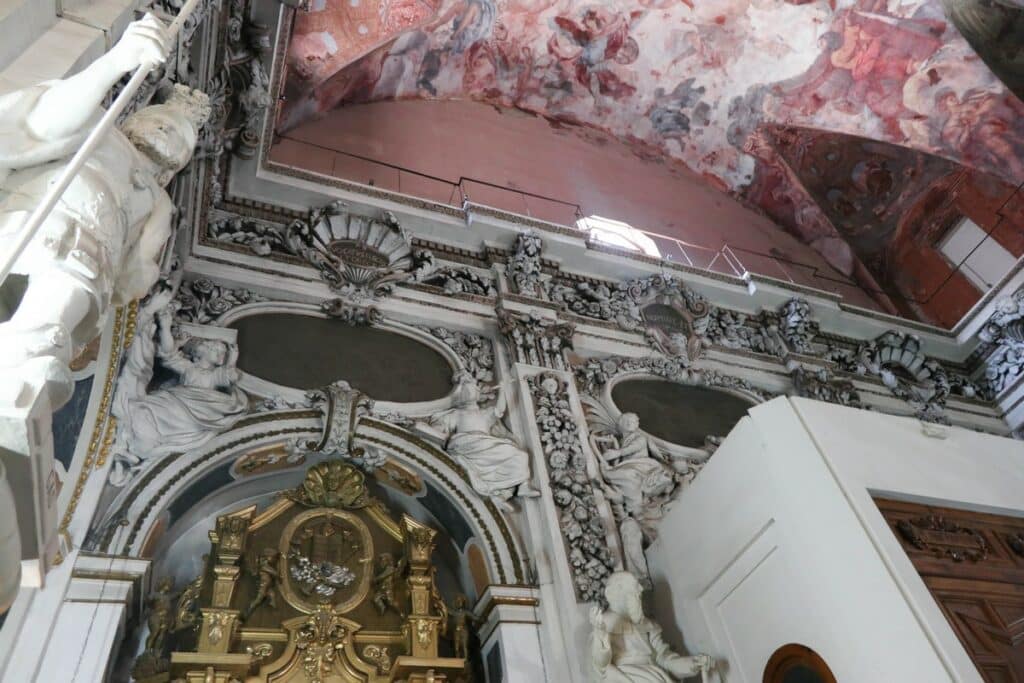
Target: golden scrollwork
column 319, row 640
column 322, row 586
column 260, row 650
column 378, row 655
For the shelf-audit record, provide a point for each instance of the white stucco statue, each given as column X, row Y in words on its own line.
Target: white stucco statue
column 627, row 647
column 639, row 477
column 497, row 466
column 636, row 468
column 101, row 244
column 204, row 402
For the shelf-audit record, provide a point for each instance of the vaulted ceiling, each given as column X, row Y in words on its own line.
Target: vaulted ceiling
column 710, row 84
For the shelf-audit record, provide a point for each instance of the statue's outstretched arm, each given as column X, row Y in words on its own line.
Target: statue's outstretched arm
column 71, row 103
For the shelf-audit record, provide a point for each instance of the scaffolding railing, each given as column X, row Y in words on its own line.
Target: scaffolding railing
column 727, row 259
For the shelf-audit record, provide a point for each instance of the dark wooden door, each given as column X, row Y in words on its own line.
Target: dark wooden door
column 973, row 564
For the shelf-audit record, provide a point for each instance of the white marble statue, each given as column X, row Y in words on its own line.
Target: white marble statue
column 638, row 477
column 101, row 244
column 636, row 469
column 627, row 647
column 205, row 401
column 498, row 467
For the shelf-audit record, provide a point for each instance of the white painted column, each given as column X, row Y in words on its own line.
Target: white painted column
column 510, row 634
column 103, row 593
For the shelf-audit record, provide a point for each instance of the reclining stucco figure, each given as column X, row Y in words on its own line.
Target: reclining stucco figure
column 101, row 245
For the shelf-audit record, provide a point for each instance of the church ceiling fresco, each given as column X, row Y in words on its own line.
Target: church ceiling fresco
column 704, row 84
column 867, row 190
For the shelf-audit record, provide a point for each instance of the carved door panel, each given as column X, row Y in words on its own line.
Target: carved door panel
column 988, row 617
column 973, row 564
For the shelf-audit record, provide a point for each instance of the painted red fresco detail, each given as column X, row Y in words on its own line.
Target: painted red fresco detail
column 700, row 83
column 335, row 34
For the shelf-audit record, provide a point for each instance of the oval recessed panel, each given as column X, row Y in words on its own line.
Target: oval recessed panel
column 679, row 413
column 304, row 352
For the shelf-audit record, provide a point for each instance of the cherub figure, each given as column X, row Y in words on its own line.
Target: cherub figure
column 462, row 619
column 266, row 572
column 160, row 615
column 388, row 572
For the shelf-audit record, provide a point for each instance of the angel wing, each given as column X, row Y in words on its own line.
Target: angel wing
column 603, row 429
column 599, row 418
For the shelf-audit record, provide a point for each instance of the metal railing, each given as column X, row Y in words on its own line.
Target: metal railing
column 728, row 259
column 57, row 188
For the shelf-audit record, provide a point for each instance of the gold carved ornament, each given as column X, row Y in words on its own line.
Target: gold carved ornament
column 314, row 548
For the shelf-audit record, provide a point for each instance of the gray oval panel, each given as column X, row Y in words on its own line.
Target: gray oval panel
column 679, row 413
column 304, row 352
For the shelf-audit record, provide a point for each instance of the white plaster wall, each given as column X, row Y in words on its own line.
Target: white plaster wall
column 779, row 541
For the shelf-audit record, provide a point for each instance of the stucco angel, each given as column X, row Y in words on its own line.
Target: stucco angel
column 204, row 402
column 498, row 467
column 101, row 244
column 638, row 476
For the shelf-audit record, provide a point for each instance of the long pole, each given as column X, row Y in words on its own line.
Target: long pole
column 57, row 188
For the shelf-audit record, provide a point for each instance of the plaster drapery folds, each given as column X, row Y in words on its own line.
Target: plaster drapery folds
column 533, row 339
column 360, row 258
column 203, row 401
column 524, row 264
column 580, row 520
column 639, row 477
column 101, row 245
column 1004, row 333
column 626, row 646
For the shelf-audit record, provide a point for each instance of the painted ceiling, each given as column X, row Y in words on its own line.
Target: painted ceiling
column 709, row 84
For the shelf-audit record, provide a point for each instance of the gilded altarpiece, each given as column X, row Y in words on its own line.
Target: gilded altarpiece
column 323, row 586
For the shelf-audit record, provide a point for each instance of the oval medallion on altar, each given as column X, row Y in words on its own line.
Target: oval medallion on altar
column 326, row 559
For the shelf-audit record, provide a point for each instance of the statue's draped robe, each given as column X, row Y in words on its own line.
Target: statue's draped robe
column 494, row 463
column 182, row 417
column 636, row 475
column 90, row 232
column 640, row 655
